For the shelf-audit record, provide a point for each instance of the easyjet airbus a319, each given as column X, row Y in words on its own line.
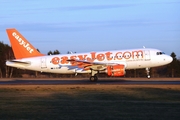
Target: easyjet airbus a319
column 114, row 63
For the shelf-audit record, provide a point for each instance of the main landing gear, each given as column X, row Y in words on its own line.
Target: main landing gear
column 93, row 77
column 148, row 73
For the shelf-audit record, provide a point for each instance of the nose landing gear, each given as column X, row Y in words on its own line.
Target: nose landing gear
column 148, row 73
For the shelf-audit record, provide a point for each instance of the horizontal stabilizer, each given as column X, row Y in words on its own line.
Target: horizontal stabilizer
column 21, row 62
column 18, row 64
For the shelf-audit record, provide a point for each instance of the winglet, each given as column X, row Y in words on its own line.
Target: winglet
column 21, row 47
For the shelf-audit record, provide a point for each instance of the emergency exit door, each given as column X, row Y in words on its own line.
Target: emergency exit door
column 43, row 63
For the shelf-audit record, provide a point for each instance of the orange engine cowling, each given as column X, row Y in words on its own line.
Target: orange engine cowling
column 116, row 70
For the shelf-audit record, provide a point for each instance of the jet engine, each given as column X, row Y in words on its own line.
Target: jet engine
column 116, row 70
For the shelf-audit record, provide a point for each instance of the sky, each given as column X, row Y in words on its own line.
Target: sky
column 94, row 25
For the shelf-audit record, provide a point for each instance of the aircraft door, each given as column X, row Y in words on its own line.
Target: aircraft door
column 147, row 55
column 43, row 63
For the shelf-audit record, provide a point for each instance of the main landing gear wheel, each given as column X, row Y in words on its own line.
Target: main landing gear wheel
column 93, row 78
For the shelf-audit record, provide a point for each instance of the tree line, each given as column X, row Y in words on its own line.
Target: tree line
column 6, row 53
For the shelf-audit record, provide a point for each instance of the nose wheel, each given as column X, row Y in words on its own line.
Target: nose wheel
column 148, row 73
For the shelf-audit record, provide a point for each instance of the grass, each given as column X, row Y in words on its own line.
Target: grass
column 90, row 102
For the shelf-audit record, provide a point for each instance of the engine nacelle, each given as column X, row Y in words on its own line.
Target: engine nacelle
column 116, row 70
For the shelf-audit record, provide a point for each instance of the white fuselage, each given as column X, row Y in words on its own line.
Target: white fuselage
column 131, row 59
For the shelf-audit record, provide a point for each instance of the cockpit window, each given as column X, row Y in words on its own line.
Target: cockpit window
column 160, row 53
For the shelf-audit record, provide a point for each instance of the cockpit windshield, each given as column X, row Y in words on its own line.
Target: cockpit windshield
column 160, row 53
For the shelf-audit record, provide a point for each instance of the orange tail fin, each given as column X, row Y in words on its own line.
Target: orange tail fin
column 21, row 47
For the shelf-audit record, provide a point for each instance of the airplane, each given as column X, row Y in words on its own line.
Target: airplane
column 113, row 63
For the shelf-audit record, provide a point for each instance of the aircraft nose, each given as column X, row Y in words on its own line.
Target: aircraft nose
column 169, row 59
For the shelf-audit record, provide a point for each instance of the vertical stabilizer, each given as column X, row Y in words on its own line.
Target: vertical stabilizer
column 21, row 47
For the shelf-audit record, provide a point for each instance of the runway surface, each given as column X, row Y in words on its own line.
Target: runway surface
column 85, row 81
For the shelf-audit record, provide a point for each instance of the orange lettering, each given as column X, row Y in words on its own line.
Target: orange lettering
column 64, row 60
column 100, row 57
column 55, row 60
column 93, row 57
column 137, row 53
column 118, row 54
column 81, row 57
column 108, row 56
column 127, row 55
column 73, row 57
column 73, row 63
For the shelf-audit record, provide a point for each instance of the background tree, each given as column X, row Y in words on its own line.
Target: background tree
column 173, row 69
column 56, row 52
column 50, row 53
column 5, row 54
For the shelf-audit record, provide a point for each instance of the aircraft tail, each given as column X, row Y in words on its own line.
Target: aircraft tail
column 21, row 47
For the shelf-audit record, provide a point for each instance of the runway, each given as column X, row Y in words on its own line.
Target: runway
column 85, row 81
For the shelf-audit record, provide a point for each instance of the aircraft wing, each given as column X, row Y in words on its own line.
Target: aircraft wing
column 86, row 65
